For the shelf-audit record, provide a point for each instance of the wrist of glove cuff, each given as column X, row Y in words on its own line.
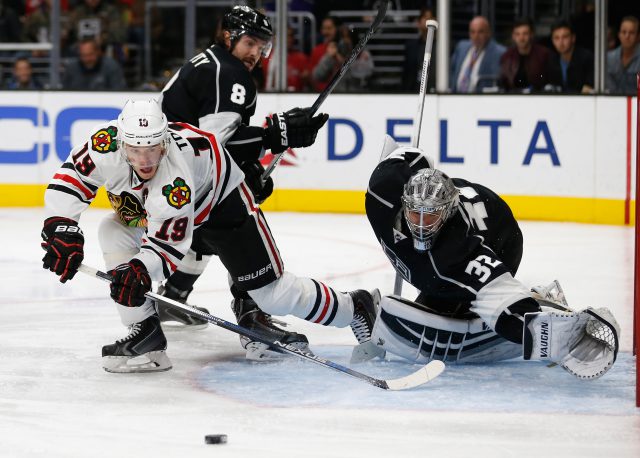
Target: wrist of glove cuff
column 130, row 283
column 295, row 128
column 275, row 135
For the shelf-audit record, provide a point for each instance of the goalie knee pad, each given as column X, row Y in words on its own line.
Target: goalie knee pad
column 411, row 331
column 584, row 343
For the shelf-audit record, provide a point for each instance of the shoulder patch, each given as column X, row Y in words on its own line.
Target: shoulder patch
column 178, row 194
column 104, row 141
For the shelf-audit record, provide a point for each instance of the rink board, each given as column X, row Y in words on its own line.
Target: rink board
column 560, row 158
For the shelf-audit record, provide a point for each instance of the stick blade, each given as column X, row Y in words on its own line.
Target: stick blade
column 423, row 375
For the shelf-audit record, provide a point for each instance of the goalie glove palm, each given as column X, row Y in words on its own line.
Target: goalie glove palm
column 295, row 128
column 130, row 283
column 64, row 246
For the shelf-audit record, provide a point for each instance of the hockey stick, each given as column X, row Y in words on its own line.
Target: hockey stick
column 432, row 26
column 421, row 376
column 382, row 12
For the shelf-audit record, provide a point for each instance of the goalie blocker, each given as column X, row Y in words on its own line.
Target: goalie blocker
column 584, row 343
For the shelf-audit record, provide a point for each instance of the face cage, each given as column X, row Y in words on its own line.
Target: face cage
column 236, row 34
column 165, row 147
column 424, row 235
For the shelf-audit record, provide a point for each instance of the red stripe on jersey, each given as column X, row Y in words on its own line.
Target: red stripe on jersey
column 327, row 301
column 66, row 178
column 203, row 215
column 214, row 144
column 262, row 226
column 172, row 266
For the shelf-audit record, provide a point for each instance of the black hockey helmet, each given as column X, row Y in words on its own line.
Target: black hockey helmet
column 245, row 20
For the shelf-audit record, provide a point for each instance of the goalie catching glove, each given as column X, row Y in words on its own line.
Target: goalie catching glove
column 292, row 129
column 130, row 283
column 584, row 343
column 64, row 246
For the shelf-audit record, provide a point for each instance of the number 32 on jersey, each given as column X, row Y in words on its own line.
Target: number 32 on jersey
column 481, row 266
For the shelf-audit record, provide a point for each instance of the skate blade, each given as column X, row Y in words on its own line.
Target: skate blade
column 257, row 351
column 179, row 326
column 366, row 351
column 154, row 361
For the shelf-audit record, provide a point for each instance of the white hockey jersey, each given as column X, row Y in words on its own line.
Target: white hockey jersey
column 195, row 175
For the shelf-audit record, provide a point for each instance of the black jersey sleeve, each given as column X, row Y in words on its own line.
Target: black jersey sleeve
column 245, row 144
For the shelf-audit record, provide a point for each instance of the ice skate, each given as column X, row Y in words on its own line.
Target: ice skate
column 365, row 310
column 250, row 317
column 143, row 350
column 175, row 319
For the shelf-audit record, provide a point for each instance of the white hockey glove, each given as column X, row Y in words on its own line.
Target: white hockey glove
column 584, row 343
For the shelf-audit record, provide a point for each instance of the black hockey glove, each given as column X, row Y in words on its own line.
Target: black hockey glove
column 253, row 171
column 293, row 129
column 64, row 246
column 130, row 283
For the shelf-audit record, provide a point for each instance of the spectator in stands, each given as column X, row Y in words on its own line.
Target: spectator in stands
column 359, row 74
column 96, row 19
column 624, row 62
column 92, row 71
column 37, row 22
column 9, row 24
column 23, row 78
column 523, row 66
column 475, row 64
column 570, row 68
column 414, row 56
column 297, row 66
column 329, row 32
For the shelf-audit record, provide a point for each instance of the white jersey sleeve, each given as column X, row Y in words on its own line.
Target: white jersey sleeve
column 74, row 185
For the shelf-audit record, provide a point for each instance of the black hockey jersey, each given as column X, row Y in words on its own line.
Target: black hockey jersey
column 475, row 254
column 216, row 92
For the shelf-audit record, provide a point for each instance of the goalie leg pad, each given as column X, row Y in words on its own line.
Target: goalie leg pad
column 584, row 343
column 407, row 329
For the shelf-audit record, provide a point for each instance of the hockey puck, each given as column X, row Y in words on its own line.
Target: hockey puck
column 215, row 439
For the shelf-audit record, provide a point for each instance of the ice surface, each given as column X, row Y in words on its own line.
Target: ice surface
column 56, row 401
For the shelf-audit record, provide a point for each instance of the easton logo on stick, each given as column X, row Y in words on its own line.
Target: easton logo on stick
column 179, row 194
column 104, row 140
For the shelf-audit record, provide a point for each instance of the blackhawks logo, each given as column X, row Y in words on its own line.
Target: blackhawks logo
column 104, row 140
column 129, row 209
column 178, row 194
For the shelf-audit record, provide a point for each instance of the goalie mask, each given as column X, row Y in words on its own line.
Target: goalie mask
column 243, row 20
column 428, row 200
column 143, row 138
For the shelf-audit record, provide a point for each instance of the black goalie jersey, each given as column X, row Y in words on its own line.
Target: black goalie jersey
column 476, row 252
column 216, row 92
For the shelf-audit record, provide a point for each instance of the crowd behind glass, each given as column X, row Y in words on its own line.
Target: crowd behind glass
column 101, row 38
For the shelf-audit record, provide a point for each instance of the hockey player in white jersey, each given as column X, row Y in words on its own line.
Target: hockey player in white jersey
column 174, row 188
column 458, row 243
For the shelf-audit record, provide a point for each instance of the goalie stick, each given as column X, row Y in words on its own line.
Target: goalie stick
column 432, row 26
column 421, row 376
column 377, row 22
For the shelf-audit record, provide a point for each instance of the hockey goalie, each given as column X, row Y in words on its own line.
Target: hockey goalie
column 458, row 243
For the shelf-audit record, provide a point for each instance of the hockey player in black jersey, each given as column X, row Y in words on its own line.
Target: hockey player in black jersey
column 459, row 244
column 216, row 92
